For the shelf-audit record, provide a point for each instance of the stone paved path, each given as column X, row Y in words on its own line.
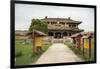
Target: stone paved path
column 58, row 53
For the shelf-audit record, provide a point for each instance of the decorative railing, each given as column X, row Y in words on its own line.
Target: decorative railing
column 62, row 28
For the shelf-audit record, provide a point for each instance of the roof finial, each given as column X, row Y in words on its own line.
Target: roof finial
column 69, row 18
column 46, row 17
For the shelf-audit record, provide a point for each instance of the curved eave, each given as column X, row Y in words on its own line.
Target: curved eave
column 74, row 22
column 36, row 32
column 78, row 30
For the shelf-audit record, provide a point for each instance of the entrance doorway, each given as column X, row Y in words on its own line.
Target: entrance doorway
column 50, row 33
column 58, row 35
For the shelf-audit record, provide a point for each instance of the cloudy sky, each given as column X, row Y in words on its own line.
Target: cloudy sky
column 24, row 13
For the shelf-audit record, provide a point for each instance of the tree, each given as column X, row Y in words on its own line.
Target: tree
column 39, row 25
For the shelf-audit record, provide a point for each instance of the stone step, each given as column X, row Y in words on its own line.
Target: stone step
column 57, row 40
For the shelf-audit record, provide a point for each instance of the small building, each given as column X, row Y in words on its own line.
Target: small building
column 87, row 39
column 77, row 39
column 37, row 40
column 38, row 37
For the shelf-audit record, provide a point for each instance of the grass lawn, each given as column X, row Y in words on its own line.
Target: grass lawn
column 80, row 52
column 23, row 53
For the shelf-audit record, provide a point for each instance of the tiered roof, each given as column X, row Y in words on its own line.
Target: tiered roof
column 66, row 20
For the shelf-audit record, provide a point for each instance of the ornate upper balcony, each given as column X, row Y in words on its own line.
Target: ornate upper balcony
column 59, row 27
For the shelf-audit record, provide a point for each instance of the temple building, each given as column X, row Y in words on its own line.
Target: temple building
column 62, row 27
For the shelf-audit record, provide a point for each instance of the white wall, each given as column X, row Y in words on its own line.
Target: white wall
column 5, row 34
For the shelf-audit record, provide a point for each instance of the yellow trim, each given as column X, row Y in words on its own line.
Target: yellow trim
column 86, row 43
column 38, row 41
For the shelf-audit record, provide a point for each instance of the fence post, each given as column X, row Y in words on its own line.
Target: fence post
column 33, row 41
column 83, row 46
column 90, row 45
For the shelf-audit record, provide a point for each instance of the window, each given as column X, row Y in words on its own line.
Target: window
column 62, row 23
column 48, row 22
column 73, row 25
column 69, row 25
column 53, row 22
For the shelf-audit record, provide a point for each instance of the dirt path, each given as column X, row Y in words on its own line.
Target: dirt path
column 58, row 53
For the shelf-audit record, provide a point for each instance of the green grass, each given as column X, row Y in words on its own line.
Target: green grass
column 24, row 55
column 79, row 52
